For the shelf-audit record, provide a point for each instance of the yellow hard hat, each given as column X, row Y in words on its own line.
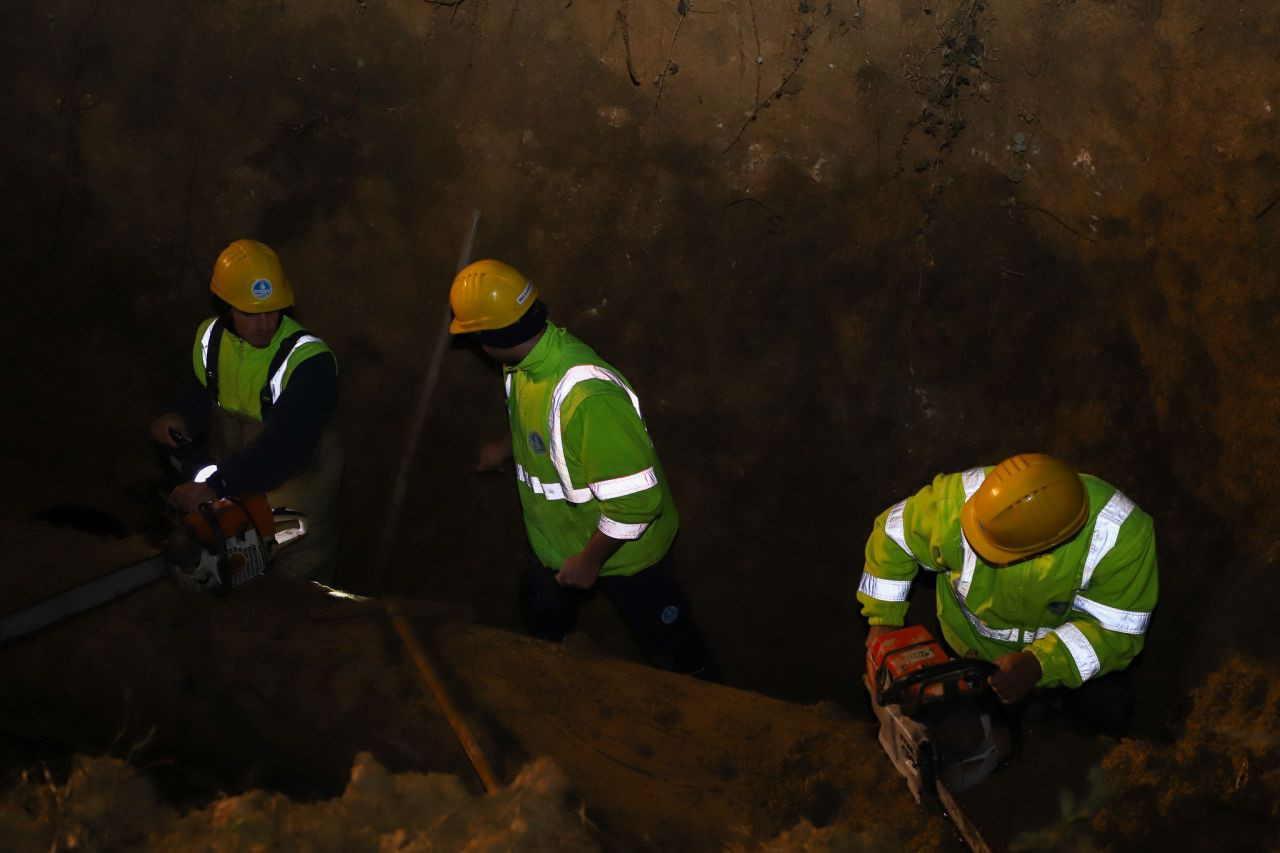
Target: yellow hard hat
column 1028, row 504
column 489, row 295
column 248, row 276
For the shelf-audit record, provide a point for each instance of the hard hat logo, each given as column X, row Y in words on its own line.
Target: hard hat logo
column 524, row 294
column 248, row 276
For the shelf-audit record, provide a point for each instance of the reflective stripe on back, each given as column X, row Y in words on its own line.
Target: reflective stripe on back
column 1106, row 530
column 1113, row 618
column 550, row 491
column 572, row 376
column 972, row 480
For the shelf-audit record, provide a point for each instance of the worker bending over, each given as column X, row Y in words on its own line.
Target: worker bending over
column 1048, row 573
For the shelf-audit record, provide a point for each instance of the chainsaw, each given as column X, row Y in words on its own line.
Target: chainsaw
column 936, row 717
column 218, row 547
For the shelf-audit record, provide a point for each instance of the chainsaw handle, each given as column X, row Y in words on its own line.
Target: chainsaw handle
column 950, row 675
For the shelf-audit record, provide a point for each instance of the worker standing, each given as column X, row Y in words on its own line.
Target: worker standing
column 597, row 508
column 261, row 400
column 1049, row 573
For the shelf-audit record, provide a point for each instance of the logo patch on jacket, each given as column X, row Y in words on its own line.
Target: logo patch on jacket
column 536, row 442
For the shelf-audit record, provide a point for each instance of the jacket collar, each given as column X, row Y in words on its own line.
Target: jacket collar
column 541, row 353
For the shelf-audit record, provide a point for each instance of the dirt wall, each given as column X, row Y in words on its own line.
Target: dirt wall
column 837, row 246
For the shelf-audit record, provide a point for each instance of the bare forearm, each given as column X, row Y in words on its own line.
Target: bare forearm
column 601, row 547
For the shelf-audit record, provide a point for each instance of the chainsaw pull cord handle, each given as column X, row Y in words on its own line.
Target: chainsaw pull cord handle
column 289, row 535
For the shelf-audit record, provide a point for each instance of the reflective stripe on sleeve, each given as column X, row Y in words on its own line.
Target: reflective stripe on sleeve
column 1113, row 618
column 884, row 590
column 572, row 376
column 277, row 381
column 507, row 382
column 1082, row 653
column 203, row 475
column 1106, row 530
column 623, row 486
column 618, row 530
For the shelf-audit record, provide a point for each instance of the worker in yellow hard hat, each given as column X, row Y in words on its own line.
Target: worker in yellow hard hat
column 1049, row 573
column 261, row 400
column 597, row 508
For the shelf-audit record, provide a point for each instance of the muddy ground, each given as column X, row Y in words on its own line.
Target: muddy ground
column 838, row 247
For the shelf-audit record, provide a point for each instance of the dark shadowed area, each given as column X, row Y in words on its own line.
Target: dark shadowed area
column 837, row 247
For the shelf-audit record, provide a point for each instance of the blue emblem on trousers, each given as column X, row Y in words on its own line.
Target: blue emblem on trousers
column 670, row 614
column 536, row 442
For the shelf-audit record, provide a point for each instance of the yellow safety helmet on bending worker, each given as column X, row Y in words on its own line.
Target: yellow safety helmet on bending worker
column 1028, row 504
column 489, row 295
column 248, row 276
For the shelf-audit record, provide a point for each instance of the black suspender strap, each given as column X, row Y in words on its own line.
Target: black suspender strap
column 282, row 355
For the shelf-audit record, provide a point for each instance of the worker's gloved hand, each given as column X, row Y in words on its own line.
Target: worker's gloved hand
column 494, row 455
column 160, row 428
column 1018, row 673
column 578, row 571
column 877, row 630
column 188, row 496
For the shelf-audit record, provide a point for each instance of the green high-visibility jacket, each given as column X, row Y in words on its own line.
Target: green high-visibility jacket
column 1082, row 608
column 242, row 368
column 584, row 460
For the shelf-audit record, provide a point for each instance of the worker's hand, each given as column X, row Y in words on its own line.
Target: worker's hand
column 188, row 496
column 579, row 571
column 1018, row 673
column 878, row 630
column 160, row 428
column 494, row 455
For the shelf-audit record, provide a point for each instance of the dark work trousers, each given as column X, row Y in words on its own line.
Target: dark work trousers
column 650, row 603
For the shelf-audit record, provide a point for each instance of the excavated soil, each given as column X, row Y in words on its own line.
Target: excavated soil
column 838, row 247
